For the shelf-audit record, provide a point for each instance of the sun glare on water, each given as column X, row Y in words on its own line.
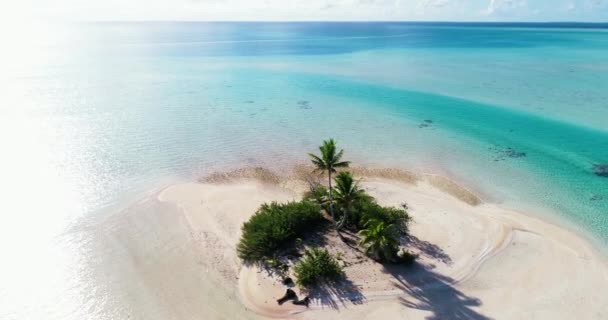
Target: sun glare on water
column 40, row 189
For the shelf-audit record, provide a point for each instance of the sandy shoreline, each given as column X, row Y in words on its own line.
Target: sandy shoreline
column 478, row 260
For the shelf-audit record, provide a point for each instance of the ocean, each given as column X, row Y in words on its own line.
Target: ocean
column 96, row 116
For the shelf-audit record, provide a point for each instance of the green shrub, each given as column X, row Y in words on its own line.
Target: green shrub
column 364, row 208
column 319, row 194
column 368, row 209
column 275, row 226
column 391, row 215
column 380, row 241
column 317, row 266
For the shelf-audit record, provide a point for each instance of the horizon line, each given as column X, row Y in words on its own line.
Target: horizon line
column 364, row 21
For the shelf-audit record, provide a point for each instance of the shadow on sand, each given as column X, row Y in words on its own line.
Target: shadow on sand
column 334, row 295
column 426, row 249
column 426, row 290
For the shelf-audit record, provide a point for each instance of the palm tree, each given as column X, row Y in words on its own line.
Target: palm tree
column 379, row 240
column 329, row 161
column 347, row 191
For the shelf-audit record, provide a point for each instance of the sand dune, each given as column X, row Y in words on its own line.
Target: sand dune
column 478, row 261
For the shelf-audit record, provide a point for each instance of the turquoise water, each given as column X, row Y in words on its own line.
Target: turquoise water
column 95, row 116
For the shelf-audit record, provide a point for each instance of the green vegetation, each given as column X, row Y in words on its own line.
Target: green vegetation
column 368, row 209
column 380, row 240
column 276, row 229
column 317, row 266
column 329, row 161
column 347, row 194
column 380, row 228
column 275, row 226
column 318, row 193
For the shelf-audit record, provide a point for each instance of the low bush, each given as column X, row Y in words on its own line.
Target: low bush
column 368, row 209
column 317, row 266
column 319, row 194
column 275, row 226
column 380, row 241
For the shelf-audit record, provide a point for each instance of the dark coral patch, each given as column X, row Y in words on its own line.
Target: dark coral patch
column 504, row 153
column 601, row 170
column 304, row 104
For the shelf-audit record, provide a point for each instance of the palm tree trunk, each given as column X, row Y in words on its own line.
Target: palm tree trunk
column 331, row 208
column 331, row 200
column 344, row 220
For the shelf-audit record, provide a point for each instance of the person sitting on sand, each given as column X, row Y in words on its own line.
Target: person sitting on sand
column 303, row 302
column 289, row 295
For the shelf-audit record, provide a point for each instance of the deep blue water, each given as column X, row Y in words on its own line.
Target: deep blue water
column 288, row 38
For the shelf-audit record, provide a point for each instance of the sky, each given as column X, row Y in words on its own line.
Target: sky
column 287, row 10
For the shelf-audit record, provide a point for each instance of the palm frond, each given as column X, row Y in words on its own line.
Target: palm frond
column 315, row 158
column 338, row 155
column 342, row 164
column 318, row 162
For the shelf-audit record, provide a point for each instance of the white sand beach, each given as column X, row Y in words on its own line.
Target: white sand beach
column 477, row 260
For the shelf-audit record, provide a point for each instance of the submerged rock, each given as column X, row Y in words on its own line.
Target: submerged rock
column 503, row 153
column 514, row 154
column 304, row 104
column 596, row 197
column 600, row 170
column 425, row 123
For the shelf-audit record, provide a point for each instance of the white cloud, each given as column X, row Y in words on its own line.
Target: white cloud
column 438, row 3
column 597, row 5
column 571, row 6
column 505, row 6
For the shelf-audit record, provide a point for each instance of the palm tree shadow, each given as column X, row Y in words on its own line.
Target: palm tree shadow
column 426, row 290
column 427, row 249
column 336, row 295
